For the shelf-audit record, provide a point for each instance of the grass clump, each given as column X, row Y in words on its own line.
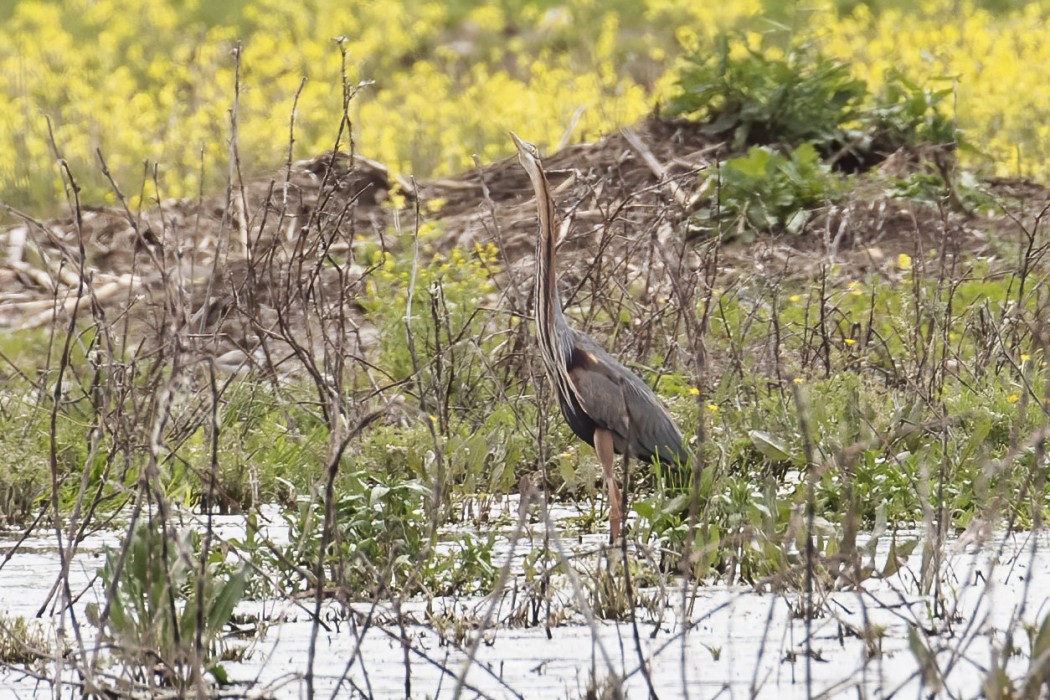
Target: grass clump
column 905, row 112
column 24, row 474
column 22, row 642
column 754, row 97
column 766, row 190
column 153, row 617
column 805, row 120
column 760, row 98
column 384, row 541
column 263, row 432
column 448, row 321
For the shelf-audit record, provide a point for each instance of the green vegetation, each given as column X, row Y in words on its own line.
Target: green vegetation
column 22, row 642
column 449, row 78
column 765, row 191
column 903, row 423
column 386, row 398
column 808, row 121
column 905, row 113
column 165, row 611
column 25, row 479
column 384, row 544
column 761, row 99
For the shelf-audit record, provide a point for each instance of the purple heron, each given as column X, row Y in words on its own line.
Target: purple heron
column 607, row 405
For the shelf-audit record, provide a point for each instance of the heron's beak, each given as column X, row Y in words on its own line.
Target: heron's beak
column 523, row 146
column 529, row 157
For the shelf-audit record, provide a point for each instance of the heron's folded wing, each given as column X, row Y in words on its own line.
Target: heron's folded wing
column 619, row 401
column 601, row 398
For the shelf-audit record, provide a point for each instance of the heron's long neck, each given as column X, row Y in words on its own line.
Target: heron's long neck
column 554, row 334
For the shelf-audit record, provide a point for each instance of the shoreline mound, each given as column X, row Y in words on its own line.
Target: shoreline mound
column 229, row 269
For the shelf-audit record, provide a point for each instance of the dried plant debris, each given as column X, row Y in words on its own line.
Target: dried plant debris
column 221, row 266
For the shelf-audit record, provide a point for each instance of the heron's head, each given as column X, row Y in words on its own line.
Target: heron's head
column 530, row 160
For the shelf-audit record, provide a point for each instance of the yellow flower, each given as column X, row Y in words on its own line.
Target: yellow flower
column 850, row 341
column 1013, row 398
column 694, row 391
column 713, row 408
column 795, row 298
column 798, row 380
column 1025, row 357
column 904, row 261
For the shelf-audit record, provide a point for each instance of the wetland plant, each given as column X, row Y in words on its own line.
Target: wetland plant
column 162, row 625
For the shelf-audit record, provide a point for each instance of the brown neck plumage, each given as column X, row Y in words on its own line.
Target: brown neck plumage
column 555, row 338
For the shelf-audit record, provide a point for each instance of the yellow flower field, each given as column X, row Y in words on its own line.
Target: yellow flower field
column 153, row 83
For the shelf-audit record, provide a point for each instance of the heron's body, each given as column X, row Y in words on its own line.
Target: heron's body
column 634, row 413
column 608, row 406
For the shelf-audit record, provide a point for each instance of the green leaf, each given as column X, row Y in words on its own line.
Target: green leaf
column 222, row 607
column 796, row 222
column 755, row 164
column 768, row 446
column 644, row 509
column 218, row 672
column 898, row 556
column 927, row 661
column 1039, row 666
column 1041, row 645
column 377, row 494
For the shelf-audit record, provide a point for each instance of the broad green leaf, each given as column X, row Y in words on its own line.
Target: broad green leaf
column 378, row 491
column 218, row 672
column 227, row 599
column 768, row 446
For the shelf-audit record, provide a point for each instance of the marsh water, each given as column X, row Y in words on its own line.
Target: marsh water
column 885, row 637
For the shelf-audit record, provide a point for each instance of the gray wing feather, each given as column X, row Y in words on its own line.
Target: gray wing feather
column 617, row 399
column 652, row 430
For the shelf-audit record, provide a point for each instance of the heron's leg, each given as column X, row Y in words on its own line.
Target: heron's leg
column 603, row 445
